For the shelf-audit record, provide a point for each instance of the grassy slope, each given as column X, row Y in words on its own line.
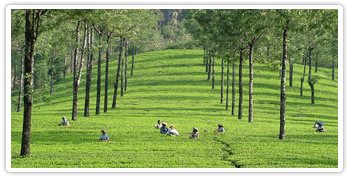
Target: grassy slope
column 172, row 86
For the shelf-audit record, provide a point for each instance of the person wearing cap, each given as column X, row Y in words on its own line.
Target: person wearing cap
column 172, row 131
column 319, row 126
column 164, row 129
column 64, row 122
column 104, row 137
column 158, row 125
column 194, row 133
column 220, row 129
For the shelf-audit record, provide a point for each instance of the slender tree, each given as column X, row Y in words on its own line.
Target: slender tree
column 126, row 66
column 20, row 85
column 311, row 81
column 32, row 24
column 213, row 72
column 304, row 72
column 78, row 64
column 222, row 82
column 133, row 53
column 282, row 84
column 209, row 64
column 118, row 73
column 233, row 86
column 107, row 73
column 291, row 72
column 228, row 82
column 100, row 31
column 52, row 65
column 240, row 108
column 122, row 70
column 333, row 70
column 251, row 78
column 89, row 71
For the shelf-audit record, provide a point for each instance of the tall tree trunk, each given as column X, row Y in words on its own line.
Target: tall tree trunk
column 304, row 73
column 122, row 71
column 311, row 84
column 310, row 63
column 52, row 64
column 233, row 87
column 20, row 85
column 118, row 74
column 222, row 81
column 65, row 63
column 316, row 63
column 333, row 70
column 97, row 109
column 126, row 67
column 78, row 69
column 291, row 73
column 13, row 87
column 32, row 21
column 89, row 72
column 282, row 85
column 106, row 74
column 206, row 60
column 133, row 52
column 228, row 83
column 240, row 109
column 213, row 72
column 251, row 82
column 310, row 81
column 74, row 110
column 209, row 65
column 72, row 54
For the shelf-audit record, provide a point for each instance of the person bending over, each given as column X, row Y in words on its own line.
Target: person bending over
column 158, row 125
column 164, row 129
column 172, row 131
column 194, row 133
column 220, row 129
column 64, row 122
column 104, row 137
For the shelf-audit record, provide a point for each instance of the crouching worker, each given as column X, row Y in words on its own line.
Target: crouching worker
column 319, row 126
column 64, row 122
column 158, row 125
column 220, row 129
column 164, row 129
column 104, row 137
column 172, row 131
column 194, row 133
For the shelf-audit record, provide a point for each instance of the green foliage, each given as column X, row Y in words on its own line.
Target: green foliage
column 170, row 85
column 314, row 79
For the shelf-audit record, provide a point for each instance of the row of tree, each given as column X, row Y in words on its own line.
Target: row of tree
column 54, row 48
column 223, row 33
column 94, row 30
column 64, row 41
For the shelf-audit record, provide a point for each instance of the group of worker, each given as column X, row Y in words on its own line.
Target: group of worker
column 173, row 132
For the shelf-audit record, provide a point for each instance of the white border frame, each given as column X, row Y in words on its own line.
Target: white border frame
column 198, row 170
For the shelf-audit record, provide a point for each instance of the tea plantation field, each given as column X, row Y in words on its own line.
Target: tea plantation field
column 172, row 86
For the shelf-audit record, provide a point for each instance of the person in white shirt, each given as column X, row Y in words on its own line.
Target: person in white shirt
column 172, row 131
column 158, row 125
